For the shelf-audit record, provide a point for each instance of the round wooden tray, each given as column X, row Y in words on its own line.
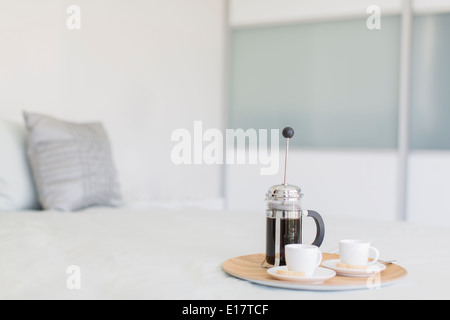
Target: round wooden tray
column 249, row 268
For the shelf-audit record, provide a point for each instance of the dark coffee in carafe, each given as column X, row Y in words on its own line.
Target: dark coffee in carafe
column 289, row 228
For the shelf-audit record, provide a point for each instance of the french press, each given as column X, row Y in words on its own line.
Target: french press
column 284, row 216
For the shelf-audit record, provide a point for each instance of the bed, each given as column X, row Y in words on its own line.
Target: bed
column 156, row 253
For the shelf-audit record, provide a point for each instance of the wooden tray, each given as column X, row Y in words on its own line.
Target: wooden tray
column 249, row 268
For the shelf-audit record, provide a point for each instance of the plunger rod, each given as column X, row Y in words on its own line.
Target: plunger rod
column 286, row 161
column 288, row 133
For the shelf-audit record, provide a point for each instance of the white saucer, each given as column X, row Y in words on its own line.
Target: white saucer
column 320, row 275
column 371, row 269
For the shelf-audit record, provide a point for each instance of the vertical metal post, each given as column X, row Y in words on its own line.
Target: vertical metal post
column 404, row 108
column 226, row 63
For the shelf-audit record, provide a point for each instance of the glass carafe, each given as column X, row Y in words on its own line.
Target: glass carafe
column 284, row 216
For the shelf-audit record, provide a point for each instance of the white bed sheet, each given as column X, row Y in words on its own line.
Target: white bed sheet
column 177, row 254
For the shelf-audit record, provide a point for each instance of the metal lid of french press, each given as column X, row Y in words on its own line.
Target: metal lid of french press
column 285, row 191
column 282, row 191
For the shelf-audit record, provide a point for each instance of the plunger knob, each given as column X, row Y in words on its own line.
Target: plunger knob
column 288, row 132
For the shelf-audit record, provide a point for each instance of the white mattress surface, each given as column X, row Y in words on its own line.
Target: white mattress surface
column 177, row 254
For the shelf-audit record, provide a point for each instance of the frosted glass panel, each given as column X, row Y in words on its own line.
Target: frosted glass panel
column 430, row 117
column 335, row 82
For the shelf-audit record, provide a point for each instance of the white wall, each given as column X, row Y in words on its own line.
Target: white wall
column 358, row 184
column 429, row 184
column 143, row 67
column 431, row 6
column 254, row 12
column 350, row 183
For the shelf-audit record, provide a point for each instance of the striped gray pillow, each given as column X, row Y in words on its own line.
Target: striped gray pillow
column 72, row 164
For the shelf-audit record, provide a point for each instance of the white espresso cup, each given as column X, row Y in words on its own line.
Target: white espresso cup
column 302, row 258
column 356, row 252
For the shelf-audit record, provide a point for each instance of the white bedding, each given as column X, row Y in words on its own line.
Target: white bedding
column 177, row 254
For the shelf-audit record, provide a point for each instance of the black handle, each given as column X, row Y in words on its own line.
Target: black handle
column 320, row 227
